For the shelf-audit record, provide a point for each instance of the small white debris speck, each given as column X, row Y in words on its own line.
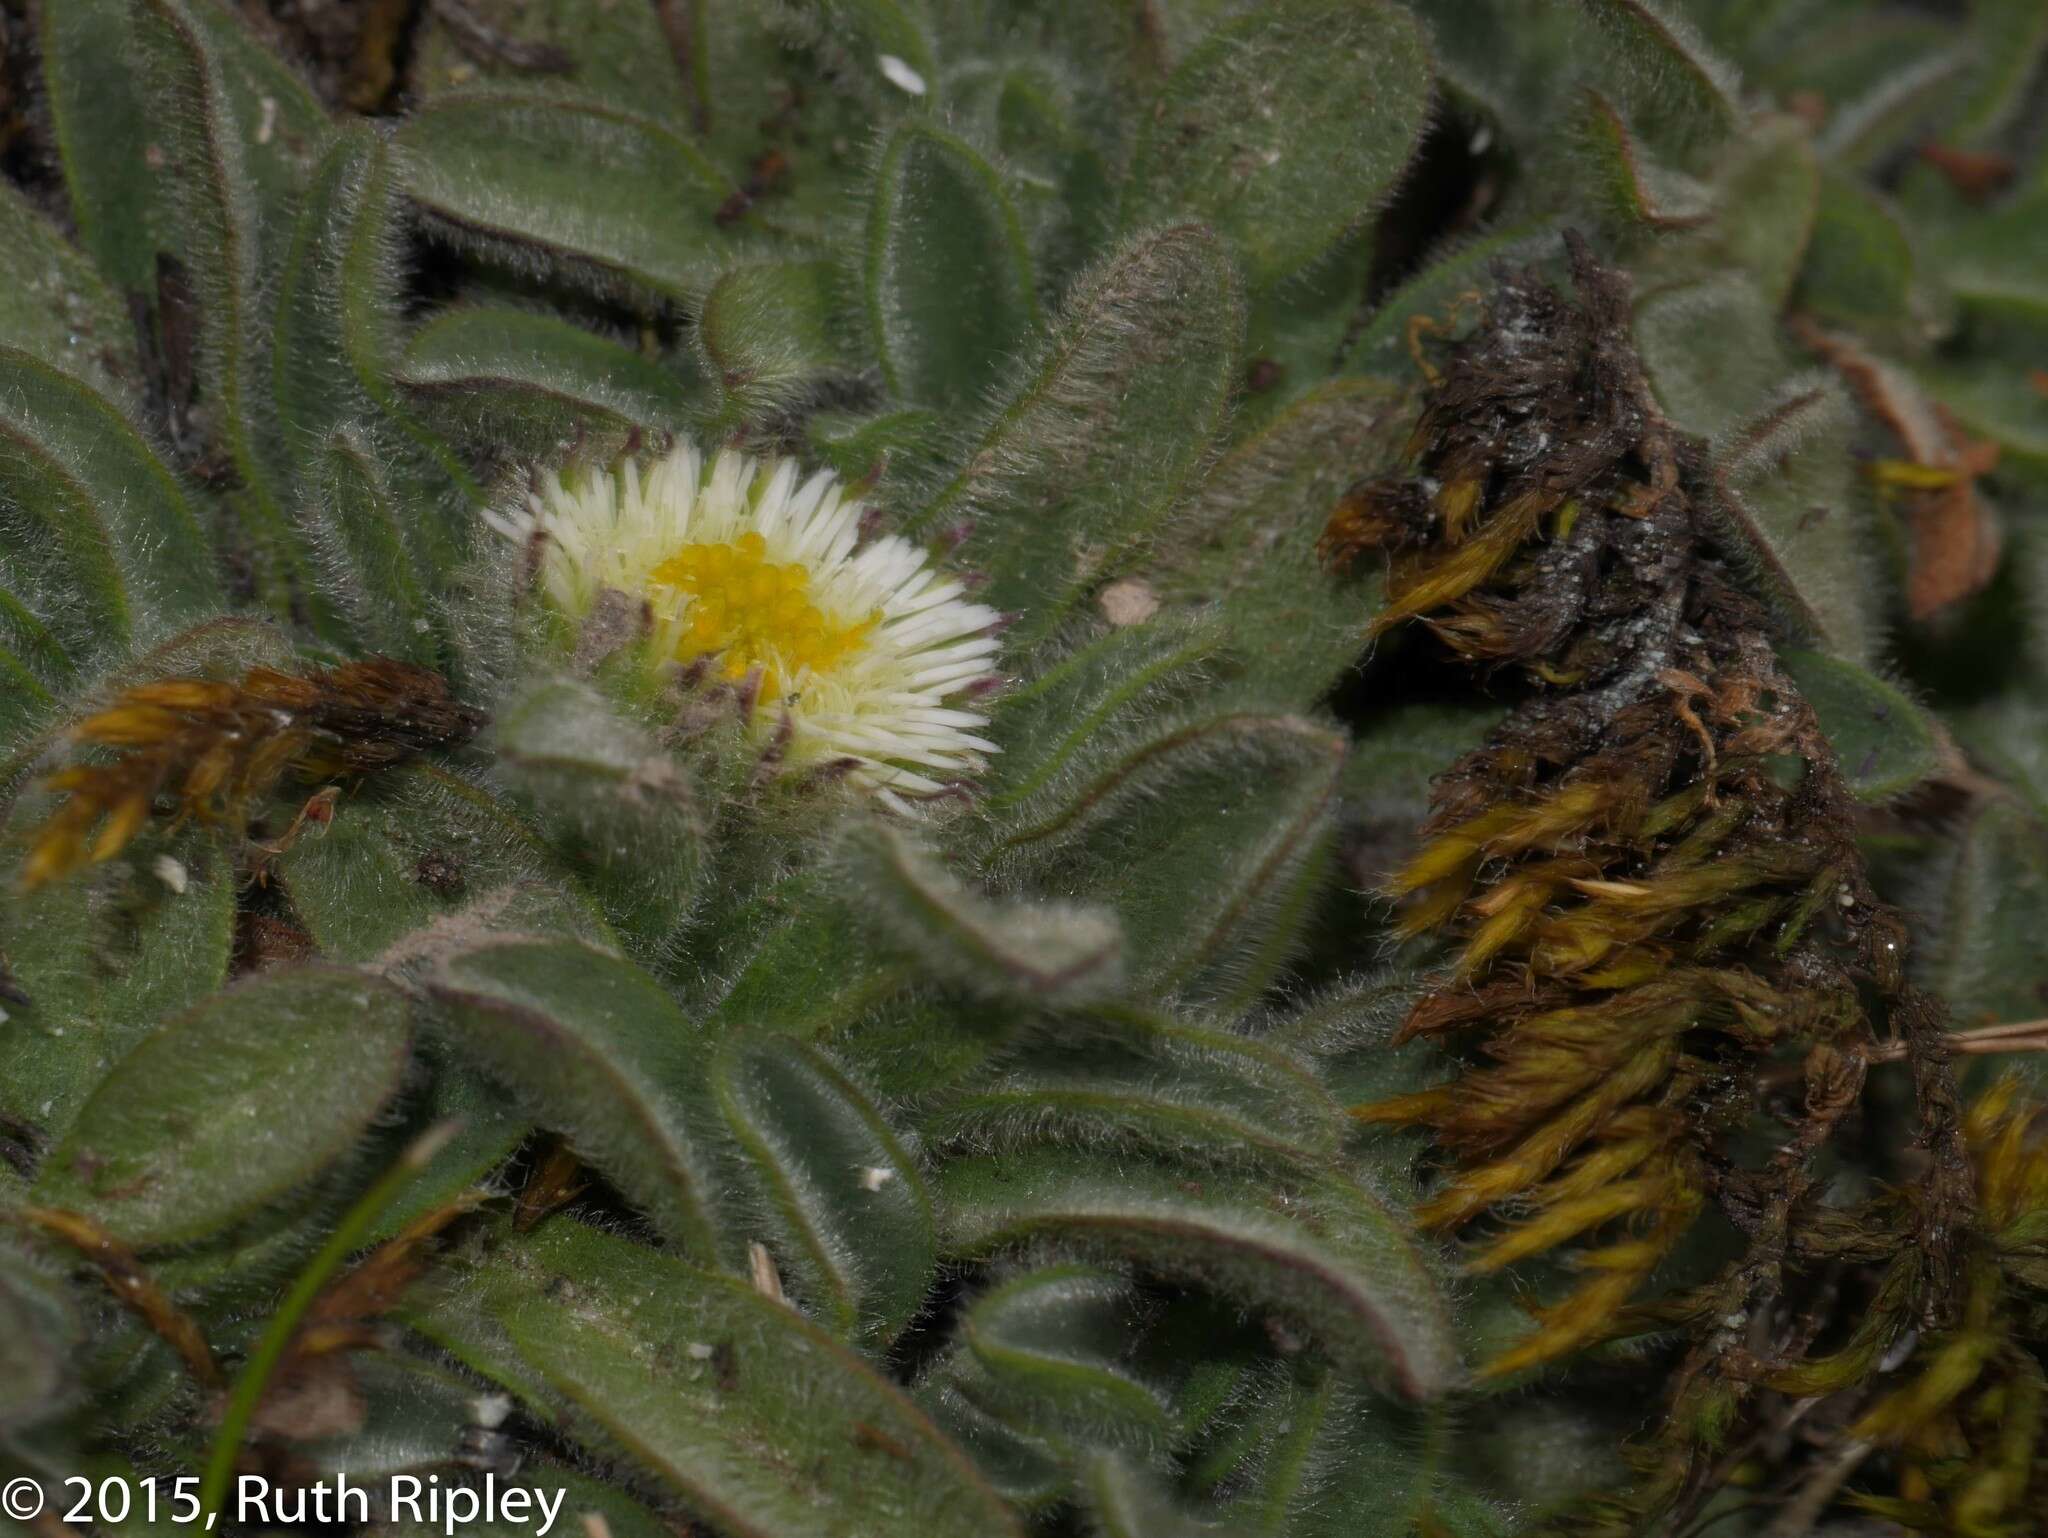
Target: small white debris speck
column 490, row 1410
column 1895, row 1356
column 873, row 1177
column 171, row 873
column 901, row 75
column 697, row 1351
column 761, row 1271
column 266, row 126
column 1128, row 602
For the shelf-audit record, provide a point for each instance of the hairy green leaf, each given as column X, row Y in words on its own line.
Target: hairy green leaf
column 569, row 182
column 1885, row 742
column 1859, row 268
column 1321, row 1254
column 513, row 378
column 334, row 355
column 1782, row 476
column 1328, row 1460
column 1674, row 82
column 1077, row 468
column 364, row 565
column 425, row 862
column 99, row 115
column 58, row 307
column 1059, row 953
column 1640, row 194
column 844, row 1203
column 768, row 333
column 1398, row 753
column 1201, row 1094
column 157, row 950
column 1788, row 494
column 757, row 1420
column 595, row 1050
column 1767, row 204
column 2011, row 38
column 1988, row 903
column 800, row 963
column 1058, row 175
column 1023, row 1469
column 1285, row 128
column 947, row 278
column 1110, row 684
column 90, row 516
column 1883, row 77
column 615, row 807
column 1522, row 63
column 1245, row 542
column 1050, row 1348
column 1202, row 834
column 242, row 133
column 232, row 1105
column 625, row 58
column 39, row 1330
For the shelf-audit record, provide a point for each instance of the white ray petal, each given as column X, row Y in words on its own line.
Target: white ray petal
column 893, row 698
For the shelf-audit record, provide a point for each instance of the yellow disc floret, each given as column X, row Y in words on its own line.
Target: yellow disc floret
column 845, row 648
column 752, row 612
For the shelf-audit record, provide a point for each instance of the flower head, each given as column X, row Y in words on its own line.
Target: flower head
column 856, row 647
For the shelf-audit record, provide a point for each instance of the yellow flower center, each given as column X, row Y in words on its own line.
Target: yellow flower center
column 752, row 613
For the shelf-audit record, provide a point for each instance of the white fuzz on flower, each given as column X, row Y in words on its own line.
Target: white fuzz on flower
column 858, row 646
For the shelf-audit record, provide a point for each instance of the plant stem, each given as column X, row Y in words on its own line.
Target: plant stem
column 2013, row 1036
column 255, row 1376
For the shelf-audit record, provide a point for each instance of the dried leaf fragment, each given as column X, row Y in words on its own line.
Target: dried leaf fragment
column 210, row 747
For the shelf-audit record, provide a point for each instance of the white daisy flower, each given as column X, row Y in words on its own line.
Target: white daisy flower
column 862, row 649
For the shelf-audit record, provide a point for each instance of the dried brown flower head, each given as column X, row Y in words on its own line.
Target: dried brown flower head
column 207, row 748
